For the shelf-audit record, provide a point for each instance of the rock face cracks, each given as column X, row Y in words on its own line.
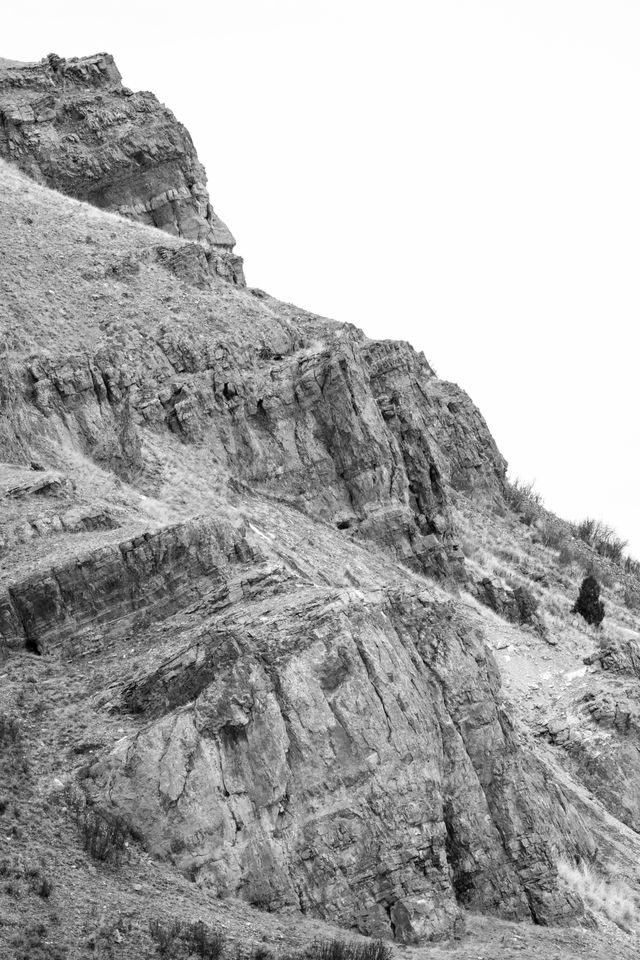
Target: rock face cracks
column 340, row 751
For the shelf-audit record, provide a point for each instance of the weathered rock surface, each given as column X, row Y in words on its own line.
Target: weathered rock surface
column 358, row 433
column 310, row 723
column 72, row 125
column 343, row 753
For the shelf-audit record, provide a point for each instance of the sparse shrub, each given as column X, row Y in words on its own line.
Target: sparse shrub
column 13, row 756
column 614, row 899
column 632, row 567
column 32, row 944
column 523, row 500
column 166, row 936
column 348, row 950
column 518, row 494
column 262, row 953
column 10, row 732
column 566, row 555
column 550, row 535
column 104, row 835
column 39, row 882
column 584, row 530
column 259, row 894
column 602, row 538
column 527, row 604
column 589, row 605
column 632, row 598
column 177, row 939
column 468, row 547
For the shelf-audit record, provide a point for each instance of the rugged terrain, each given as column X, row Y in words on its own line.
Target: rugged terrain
column 72, row 125
column 247, row 561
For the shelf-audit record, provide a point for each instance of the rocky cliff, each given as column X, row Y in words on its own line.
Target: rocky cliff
column 234, row 513
column 72, row 125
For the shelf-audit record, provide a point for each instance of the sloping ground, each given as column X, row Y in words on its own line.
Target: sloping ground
column 576, row 687
column 218, row 511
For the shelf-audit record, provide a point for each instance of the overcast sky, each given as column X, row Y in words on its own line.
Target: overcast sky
column 463, row 174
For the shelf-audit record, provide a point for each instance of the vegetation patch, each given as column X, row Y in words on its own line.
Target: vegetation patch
column 177, row 940
column 104, row 835
column 589, row 605
column 612, row 898
column 602, row 538
column 349, row 950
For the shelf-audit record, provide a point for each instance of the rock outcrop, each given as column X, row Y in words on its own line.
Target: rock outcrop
column 599, row 733
column 72, row 125
column 341, row 752
column 307, row 720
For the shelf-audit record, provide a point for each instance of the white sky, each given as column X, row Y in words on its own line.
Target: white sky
column 463, row 174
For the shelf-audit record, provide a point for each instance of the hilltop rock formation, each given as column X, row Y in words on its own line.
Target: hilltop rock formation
column 72, row 125
column 309, row 724
column 235, row 511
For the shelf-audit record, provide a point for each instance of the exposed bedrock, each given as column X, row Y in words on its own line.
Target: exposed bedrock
column 355, row 432
column 119, row 584
column 347, row 755
column 72, row 125
column 600, row 733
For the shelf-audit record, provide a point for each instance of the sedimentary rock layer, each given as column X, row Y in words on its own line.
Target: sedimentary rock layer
column 72, row 125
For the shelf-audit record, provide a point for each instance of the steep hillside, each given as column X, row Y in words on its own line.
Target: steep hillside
column 231, row 617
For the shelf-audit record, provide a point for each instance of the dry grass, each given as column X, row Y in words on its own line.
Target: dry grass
column 613, row 899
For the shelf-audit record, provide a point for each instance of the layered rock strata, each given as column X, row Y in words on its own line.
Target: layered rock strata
column 72, row 125
column 310, row 723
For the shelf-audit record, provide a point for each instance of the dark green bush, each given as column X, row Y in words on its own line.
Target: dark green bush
column 589, row 605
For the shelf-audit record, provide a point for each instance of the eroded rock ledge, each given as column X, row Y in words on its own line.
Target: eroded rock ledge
column 73, row 126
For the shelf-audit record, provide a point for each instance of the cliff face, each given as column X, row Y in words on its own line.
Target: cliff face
column 72, row 125
column 235, row 512
column 245, row 498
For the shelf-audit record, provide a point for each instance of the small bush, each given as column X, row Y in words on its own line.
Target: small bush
column 178, row 939
column 614, row 899
column 104, row 836
column 589, row 605
column 566, row 555
column 39, row 882
column 632, row 598
column 550, row 535
column 527, row 604
column 166, row 937
column 523, row 500
column 203, row 942
column 9, row 731
column 632, row 567
column 602, row 538
column 13, row 754
column 31, row 943
column 348, row 950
